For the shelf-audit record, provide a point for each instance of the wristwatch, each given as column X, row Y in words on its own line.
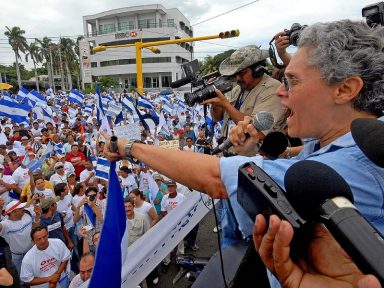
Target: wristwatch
column 127, row 150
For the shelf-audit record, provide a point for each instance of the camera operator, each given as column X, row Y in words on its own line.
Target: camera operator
column 255, row 91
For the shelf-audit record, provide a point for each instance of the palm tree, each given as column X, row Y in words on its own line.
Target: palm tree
column 77, row 51
column 18, row 44
column 67, row 49
column 46, row 49
column 36, row 55
column 208, row 66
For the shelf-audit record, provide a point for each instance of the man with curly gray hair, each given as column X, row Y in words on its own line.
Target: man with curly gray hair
column 335, row 76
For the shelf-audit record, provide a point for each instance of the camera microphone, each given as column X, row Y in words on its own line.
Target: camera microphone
column 319, row 193
column 368, row 135
column 262, row 121
column 180, row 82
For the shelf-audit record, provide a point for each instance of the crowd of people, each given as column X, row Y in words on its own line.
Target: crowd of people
column 53, row 214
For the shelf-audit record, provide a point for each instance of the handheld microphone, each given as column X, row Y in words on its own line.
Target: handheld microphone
column 262, row 121
column 368, row 135
column 319, row 193
column 180, row 82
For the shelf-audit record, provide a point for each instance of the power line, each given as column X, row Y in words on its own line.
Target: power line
column 225, row 13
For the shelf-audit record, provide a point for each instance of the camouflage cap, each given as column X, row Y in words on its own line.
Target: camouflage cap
column 242, row 58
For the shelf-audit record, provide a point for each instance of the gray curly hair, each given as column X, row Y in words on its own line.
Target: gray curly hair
column 346, row 48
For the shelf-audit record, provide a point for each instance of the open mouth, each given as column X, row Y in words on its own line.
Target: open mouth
column 290, row 115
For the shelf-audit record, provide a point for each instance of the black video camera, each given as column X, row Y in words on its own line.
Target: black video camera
column 207, row 89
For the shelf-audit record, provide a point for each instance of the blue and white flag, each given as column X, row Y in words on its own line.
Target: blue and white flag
column 22, row 94
column 76, row 97
column 168, row 107
column 35, row 96
column 113, row 109
column 119, row 118
column 103, row 167
column 113, row 241
column 128, row 104
column 153, row 188
column 13, row 110
column 143, row 102
column 88, row 109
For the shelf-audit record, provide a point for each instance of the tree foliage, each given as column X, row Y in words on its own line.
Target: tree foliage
column 212, row 63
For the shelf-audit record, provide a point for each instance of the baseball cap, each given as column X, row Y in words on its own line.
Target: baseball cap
column 242, row 58
column 58, row 165
column 156, row 176
column 37, row 171
column 24, row 138
column 15, row 204
column 28, row 147
column 69, row 174
column 171, row 183
column 47, row 202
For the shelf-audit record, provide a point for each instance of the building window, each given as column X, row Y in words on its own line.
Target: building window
column 160, row 23
column 133, row 82
column 171, row 22
column 145, row 23
column 122, row 26
column 107, row 28
column 147, row 82
column 157, row 60
column 155, row 82
column 131, row 24
column 165, row 81
column 93, row 64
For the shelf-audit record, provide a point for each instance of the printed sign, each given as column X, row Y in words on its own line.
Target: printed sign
column 129, row 131
column 171, row 144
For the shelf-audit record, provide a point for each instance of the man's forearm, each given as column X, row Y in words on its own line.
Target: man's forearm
column 234, row 114
column 203, row 170
column 38, row 281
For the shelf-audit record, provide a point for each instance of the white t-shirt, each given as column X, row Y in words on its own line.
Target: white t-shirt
column 21, row 176
column 128, row 182
column 144, row 209
column 65, row 208
column 47, row 192
column 186, row 148
column 43, row 263
column 168, row 204
column 36, row 132
column 9, row 180
column 76, row 282
column 17, row 233
column 84, row 175
column 56, row 179
column 76, row 199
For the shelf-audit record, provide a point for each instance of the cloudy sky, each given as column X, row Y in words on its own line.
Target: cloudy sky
column 257, row 22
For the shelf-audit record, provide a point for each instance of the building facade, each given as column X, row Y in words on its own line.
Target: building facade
column 128, row 25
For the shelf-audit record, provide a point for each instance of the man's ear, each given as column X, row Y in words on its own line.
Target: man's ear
column 348, row 89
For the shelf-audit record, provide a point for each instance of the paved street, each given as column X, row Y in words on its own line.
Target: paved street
column 206, row 240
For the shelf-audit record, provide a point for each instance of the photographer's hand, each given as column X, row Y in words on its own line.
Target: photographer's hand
column 326, row 264
column 281, row 43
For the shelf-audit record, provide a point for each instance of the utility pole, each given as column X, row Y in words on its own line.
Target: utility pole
column 61, row 70
column 52, row 76
column 140, row 45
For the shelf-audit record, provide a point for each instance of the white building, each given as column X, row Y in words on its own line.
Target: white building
column 127, row 26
